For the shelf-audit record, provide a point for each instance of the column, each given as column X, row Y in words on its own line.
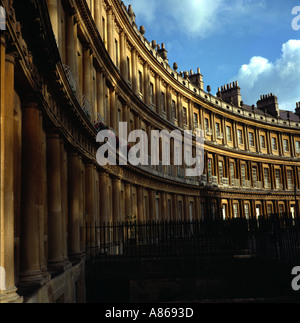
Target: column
column 123, row 55
column 70, row 43
column 116, row 183
column 100, row 94
column 31, row 212
column 257, row 137
column 90, row 204
column 152, row 205
column 7, row 279
column 127, row 200
column 90, row 193
column 110, row 29
column 55, row 243
column 157, row 94
column 98, row 16
column 53, row 12
column 163, row 206
column 224, row 131
column 140, row 204
column 87, row 74
column 134, row 72
column 113, row 112
column 74, row 173
column 146, row 85
column 103, row 187
column 213, row 129
column 64, row 201
column 235, row 135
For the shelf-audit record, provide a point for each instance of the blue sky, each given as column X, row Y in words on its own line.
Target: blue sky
column 251, row 41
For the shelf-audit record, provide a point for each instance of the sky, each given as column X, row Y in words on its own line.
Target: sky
column 249, row 41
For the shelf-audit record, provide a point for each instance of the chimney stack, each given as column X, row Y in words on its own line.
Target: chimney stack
column 269, row 104
column 297, row 111
column 197, row 79
column 231, row 93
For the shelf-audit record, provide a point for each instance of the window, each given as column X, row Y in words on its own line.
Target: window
column 240, row 137
column 235, row 210
column 140, row 82
column 274, row 144
column 266, row 177
column 196, row 125
column 289, row 179
column 269, row 209
column 247, row 211
column 184, row 116
column 232, row 171
column 278, row 178
column 151, row 93
column 286, row 145
column 221, row 173
column 228, row 131
column 218, row 129
column 243, row 173
column 254, row 174
column 209, row 173
column 207, row 129
column 174, row 109
column 281, row 209
column 298, row 147
column 213, row 211
column 251, row 139
column 263, row 142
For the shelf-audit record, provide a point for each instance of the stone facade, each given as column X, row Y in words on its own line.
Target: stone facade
column 67, row 65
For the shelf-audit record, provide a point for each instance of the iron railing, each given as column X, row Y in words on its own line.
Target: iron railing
column 276, row 238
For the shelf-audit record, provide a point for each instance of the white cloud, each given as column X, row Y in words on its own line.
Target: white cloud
column 196, row 18
column 282, row 77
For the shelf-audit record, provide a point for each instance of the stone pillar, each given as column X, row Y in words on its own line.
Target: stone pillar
column 97, row 14
column 55, row 246
column 128, row 210
column 116, row 183
column 123, row 55
column 64, row 201
column 103, row 187
column 31, row 212
column 163, row 207
column 113, row 112
column 140, row 204
column 90, row 204
column 74, row 185
column 100, row 94
column 134, row 72
column 146, row 85
column 87, row 88
column 152, row 205
column 70, row 44
column 7, row 268
column 53, row 12
column 158, row 95
column 110, row 30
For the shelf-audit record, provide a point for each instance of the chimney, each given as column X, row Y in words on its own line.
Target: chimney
column 231, row 93
column 197, row 79
column 297, row 111
column 269, row 104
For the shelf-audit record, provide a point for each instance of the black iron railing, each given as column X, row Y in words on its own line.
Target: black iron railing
column 275, row 237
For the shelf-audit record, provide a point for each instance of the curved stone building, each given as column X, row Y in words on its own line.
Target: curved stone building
column 69, row 66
